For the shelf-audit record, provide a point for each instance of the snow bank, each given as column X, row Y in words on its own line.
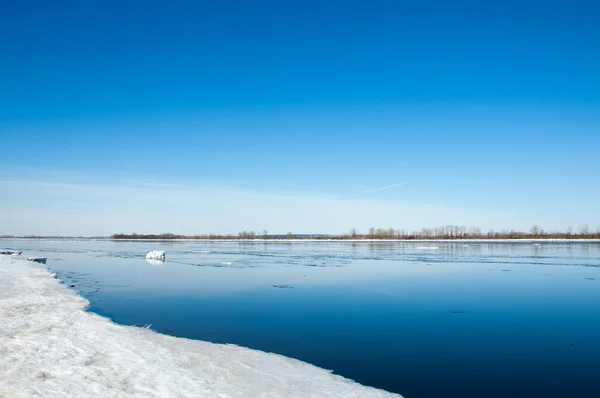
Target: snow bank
column 50, row 346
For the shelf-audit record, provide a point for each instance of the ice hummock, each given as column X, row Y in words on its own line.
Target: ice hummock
column 11, row 252
column 156, row 255
column 51, row 346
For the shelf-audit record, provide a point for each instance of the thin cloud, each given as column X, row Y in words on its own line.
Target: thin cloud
column 379, row 189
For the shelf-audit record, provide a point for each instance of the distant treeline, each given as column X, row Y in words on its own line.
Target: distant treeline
column 241, row 235
column 444, row 232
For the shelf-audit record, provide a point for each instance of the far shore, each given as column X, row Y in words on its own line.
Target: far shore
column 296, row 240
column 593, row 240
column 523, row 240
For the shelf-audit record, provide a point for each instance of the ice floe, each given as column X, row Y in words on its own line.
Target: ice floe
column 156, row 255
column 50, row 346
column 11, row 252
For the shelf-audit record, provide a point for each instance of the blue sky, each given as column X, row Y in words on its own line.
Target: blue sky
column 198, row 117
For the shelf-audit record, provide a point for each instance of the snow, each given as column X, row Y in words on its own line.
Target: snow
column 51, row 346
column 156, row 255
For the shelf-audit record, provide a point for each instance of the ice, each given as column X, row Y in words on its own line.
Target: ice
column 51, row 346
column 153, row 261
column 156, row 255
column 41, row 260
column 428, row 248
column 11, row 252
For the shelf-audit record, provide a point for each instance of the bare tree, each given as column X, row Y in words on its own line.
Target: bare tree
column 535, row 230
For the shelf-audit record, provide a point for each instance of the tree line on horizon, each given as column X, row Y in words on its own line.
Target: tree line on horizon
column 442, row 232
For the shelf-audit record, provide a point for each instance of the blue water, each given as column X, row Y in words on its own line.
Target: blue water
column 483, row 320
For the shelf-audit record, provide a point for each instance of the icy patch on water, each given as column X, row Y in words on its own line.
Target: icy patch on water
column 50, row 346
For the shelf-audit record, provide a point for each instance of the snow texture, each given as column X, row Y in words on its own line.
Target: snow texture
column 51, row 346
column 156, row 255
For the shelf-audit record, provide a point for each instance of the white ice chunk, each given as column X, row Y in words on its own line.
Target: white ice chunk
column 156, row 255
column 50, row 346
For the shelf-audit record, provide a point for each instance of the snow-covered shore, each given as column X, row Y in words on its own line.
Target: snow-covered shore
column 51, row 346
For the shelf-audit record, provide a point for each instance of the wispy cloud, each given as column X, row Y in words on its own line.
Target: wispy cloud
column 378, row 189
column 30, row 206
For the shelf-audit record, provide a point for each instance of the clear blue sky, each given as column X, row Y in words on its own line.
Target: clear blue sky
column 220, row 116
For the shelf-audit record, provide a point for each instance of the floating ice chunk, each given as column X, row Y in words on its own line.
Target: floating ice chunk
column 226, row 262
column 156, row 255
column 11, row 252
column 283, row 286
column 51, row 346
column 427, row 247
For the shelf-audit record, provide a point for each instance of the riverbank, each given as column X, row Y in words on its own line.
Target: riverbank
column 538, row 240
column 262, row 240
column 51, row 346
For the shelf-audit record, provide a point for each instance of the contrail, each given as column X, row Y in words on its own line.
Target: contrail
column 378, row 189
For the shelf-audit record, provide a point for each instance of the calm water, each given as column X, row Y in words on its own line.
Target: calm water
column 476, row 320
